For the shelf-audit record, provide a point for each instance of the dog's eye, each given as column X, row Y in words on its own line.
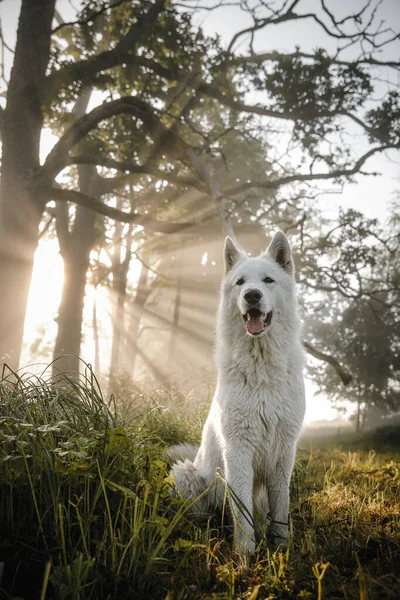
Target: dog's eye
column 240, row 281
column 268, row 280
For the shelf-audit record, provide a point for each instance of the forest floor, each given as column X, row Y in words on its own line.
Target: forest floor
column 85, row 511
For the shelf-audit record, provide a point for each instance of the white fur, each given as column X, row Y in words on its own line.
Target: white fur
column 257, row 411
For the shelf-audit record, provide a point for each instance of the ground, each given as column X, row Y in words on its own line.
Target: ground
column 85, row 510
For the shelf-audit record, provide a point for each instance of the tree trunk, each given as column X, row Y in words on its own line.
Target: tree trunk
column 177, row 308
column 358, row 419
column 70, row 314
column 117, row 337
column 136, row 313
column 16, row 265
column 75, row 248
column 120, row 279
column 175, row 321
column 20, row 208
column 96, row 339
column 364, row 416
column 68, row 341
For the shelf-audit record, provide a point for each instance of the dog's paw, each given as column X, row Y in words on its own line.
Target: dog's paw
column 244, row 545
column 279, row 544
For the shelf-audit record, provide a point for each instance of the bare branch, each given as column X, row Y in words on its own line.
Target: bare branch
column 147, row 266
column 166, row 139
column 3, row 42
column 46, row 227
column 344, row 375
column 214, row 191
column 89, row 18
column 58, row 158
column 1, row 121
column 118, row 215
column 280, row 181
column 210, row 90
column 211, row 227
column 219, row 4
column 279, row 56
column 275, row 19
column 180, row 180
column 60, row 212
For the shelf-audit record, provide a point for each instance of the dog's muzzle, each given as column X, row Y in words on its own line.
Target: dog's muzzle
column 256, row 321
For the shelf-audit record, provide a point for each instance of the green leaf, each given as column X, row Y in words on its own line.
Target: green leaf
column 181, row 544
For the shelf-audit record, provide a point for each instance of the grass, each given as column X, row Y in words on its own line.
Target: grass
column 85, row 511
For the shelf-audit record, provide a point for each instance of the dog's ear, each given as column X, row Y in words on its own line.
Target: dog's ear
column 279, row 250
column 231, row 254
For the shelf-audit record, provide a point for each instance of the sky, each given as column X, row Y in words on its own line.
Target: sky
column 370, row 195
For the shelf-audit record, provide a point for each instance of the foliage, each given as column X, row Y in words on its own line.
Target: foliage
column 385, row 119
column 81, row 494
column 85, row 511
column 360, row 323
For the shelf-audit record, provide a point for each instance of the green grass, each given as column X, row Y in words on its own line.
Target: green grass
column 85, row 511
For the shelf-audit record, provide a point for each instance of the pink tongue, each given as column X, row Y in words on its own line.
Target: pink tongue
column 255, row 324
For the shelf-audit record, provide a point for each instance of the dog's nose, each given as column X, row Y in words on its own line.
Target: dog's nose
column 253, row 296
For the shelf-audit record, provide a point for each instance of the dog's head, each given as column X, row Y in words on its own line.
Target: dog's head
column 258, row 289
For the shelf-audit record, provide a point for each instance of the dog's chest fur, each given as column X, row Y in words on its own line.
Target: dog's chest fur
column 259, row 400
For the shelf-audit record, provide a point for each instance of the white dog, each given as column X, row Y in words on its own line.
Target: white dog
column 257, row 411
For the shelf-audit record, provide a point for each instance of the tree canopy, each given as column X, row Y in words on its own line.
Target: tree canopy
column 180, row 134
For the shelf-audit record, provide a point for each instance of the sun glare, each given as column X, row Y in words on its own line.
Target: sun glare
column 44, row 295
column 41, row 327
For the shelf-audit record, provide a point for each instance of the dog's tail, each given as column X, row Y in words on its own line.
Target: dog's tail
column 187, row 481
column 182, row 452
column 193, row 484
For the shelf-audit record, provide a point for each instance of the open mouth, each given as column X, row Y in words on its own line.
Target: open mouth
column 257, row 321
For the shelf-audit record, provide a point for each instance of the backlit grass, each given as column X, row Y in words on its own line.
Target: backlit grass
column 85, row 510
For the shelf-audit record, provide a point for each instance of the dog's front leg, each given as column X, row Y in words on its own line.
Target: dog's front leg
column 278, row 496
column 239, row 477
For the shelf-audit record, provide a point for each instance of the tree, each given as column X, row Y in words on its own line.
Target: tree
column 314, row 95
column 359, row 323
column 119, row 269
column 21, row 206
column 76, row 240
